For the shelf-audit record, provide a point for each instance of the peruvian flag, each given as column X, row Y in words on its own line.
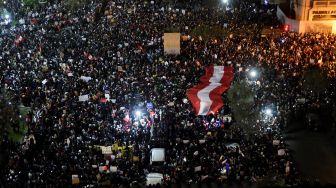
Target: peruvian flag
column 206, row 97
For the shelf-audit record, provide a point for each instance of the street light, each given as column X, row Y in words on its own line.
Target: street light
column 138, row 113
column 253, row 73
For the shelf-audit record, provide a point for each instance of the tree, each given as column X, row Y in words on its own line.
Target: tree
column 315, row 81
column 73, row 5
column 8, row 115
column 208, row 32
column 172, row 29
column 31, row 3
column 241, row 101
column 70, row 5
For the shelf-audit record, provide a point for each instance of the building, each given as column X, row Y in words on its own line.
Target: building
column 309, row 15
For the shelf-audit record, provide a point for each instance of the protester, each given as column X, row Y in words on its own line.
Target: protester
column 107, row 82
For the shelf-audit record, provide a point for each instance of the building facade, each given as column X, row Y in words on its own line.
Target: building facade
column 310, row 16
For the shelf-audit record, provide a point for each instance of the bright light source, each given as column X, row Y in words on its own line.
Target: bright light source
column 138, row 113
column 268, row 111
column 224, row 1
column 7, row 16
column 253, row 73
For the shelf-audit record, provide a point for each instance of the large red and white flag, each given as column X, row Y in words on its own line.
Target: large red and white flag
column 206, row 97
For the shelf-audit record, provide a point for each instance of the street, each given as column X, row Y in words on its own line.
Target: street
column 314, row 152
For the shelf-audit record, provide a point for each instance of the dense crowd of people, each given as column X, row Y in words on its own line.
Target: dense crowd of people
column 105, row 81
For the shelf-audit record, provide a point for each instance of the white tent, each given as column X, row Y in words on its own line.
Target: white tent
column 157, row 155
column 154, row 178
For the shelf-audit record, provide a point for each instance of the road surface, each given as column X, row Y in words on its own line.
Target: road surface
column 314, row 152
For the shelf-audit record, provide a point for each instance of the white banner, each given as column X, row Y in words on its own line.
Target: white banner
column 85, row 78
column 83, row 98
column 198, row 168
column 106, row 150
column 172, row 43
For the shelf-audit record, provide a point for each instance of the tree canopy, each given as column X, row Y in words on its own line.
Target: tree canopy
column 241, row 100
column 31, row 3
column 8, row 115
column 315, row 81
column 208, row 32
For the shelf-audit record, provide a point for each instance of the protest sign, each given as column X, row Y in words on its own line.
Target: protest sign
column 201, row 141
column 185, row 141
column 135, row 159
column 198, row 168
column 276, row 142
column 281, row 152
column 83, row 98
column 120, row 69
column 106, row 150
column 232, row 145
column 149, row 105
column 75, row 179
column 107, row 96
column 85, row 78
column 157, row 155
column 113, row 169
column 154, row 179
column 185, row 100
column 44, row 81
column 301, row 100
